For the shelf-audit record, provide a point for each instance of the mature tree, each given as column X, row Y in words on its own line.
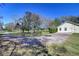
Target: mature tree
column 53, row 25
column 73, row 19
column 56, row 22
column 30, row 21
column 25, row 21
column 1, row 23
column 33, row 20
column 20, row 24
column 10, row 26
column 36, row 22
column 1, row 26
column 70, row 19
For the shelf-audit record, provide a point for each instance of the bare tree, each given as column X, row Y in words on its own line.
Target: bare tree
column 29, row 21
column 1, row 23
column 20, row 24
column 36, row 22
column 10, row 26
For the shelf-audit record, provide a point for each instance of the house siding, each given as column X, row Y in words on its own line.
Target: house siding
column 70, row 28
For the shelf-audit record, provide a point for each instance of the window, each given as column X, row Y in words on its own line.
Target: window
column 65, row 29
column 60, row 29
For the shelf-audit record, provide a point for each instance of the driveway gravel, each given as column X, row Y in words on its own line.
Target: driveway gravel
column 54, row 38
column 49, row 38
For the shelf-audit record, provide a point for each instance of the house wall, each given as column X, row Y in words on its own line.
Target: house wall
column 70, row 28
column 76, row 29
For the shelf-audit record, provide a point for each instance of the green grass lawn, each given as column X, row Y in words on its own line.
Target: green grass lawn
column 19, row 33
column 72, row 44
column 69, row 48
column 38, row 33
column 2, row 32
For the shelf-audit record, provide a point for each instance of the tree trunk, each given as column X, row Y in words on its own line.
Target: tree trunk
column 23, row 33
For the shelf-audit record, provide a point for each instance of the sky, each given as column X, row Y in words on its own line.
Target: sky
column 10, row 11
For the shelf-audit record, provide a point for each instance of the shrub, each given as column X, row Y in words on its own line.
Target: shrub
column 52, row 30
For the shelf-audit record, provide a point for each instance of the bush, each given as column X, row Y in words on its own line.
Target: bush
column 52, row 30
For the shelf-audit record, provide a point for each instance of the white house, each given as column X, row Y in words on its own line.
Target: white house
column 67, row 27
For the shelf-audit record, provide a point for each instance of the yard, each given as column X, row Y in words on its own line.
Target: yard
column 69, row 48
column 19, row 33
column 72, row 44
column 33, row 33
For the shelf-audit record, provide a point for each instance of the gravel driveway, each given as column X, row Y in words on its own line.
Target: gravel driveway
column 50, row 38
column 54, row 38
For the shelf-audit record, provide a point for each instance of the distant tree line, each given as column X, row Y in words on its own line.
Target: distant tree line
column 33, row 22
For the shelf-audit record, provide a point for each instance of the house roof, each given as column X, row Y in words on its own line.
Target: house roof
column 74, row 23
